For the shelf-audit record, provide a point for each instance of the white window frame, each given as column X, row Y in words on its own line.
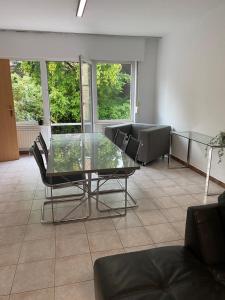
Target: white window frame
column 133, row 85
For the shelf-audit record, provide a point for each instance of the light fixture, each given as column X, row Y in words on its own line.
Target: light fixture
column 81, row 7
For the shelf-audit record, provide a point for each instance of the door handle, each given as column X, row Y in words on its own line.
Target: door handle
column 11, row 111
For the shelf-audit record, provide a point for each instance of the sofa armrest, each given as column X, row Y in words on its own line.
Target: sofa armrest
column 110, row 131
column 204, row 234
column 155, row 141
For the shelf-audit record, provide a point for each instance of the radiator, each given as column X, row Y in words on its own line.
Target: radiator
column 26, row 134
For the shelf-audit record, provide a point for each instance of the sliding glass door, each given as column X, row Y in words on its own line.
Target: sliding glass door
column 86, row 95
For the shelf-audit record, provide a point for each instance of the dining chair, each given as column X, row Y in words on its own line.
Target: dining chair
column 57, row 183
column 120, row 139
column 41, row 141
column 132, row 149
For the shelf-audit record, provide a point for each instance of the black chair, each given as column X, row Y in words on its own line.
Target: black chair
column 41, row 141
column 120, row 139
column 132, row 149
column 58, row 182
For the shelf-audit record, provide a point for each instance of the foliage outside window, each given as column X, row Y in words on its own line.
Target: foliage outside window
column 113, row 91
column 26, row 85
column 64, row 91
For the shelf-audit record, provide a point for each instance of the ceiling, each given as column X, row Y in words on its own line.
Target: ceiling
column 117, row 17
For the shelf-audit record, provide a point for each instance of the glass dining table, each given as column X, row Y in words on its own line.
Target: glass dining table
column 86, row 153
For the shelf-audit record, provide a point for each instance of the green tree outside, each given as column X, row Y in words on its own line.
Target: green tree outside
column 113, row 81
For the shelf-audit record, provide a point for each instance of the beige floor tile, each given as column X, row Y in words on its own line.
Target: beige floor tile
column 182, row 181
column 176, row 190
column 78, row 291
column 13, row 219
column 24, row 187
column 7, row 188
column 12, row 234
column 35, row 216
column 34, row 276
column 162, row 233
column 37, row 250
column 99, row 225
column 11, row 207
column 174, row 214
column 96, row 255
column 165, row 183
column 180, row 227
column 73, row 269
column 156, row 192
column 4, row 297
column 37, row 204
column 185, row 200
column 165, row 202
column 105, row 240
column 69, row 229
column 6, row 279
column 19, row 196
column 145, row 204
column 9, row 254
column 194, row 188
column 39, row 231
column 151, row 217
column 130, row 220
column 136, row 236
column 72, row 245
column 139, row 248
column 137, row 193
column 45, row 294
column 172, row 243
column 39, row 194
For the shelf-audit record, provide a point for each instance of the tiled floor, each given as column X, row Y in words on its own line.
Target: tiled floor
column 46, row 262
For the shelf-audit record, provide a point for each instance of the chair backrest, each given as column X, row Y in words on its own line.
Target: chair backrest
column 132, row 148
column 120, row 138
column 39, row 160
column 43, row 145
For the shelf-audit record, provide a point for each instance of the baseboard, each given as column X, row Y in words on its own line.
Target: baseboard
column 222, row 184
column 24, row 152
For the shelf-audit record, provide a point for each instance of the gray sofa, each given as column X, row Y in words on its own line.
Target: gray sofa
column 154, row 139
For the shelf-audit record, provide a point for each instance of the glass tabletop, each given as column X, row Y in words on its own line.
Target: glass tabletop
column 85, row 152
column 197, row 137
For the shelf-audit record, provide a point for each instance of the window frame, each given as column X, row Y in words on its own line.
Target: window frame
column 133, row 87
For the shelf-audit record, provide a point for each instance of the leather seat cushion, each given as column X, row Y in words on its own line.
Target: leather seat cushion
column 167, row 273
column 68, row 178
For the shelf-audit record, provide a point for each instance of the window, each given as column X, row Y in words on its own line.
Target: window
column 26, row 85
column 114, row 91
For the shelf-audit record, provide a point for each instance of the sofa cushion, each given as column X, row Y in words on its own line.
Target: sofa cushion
column 166, row 273
column 205, row 234
column 135, row 128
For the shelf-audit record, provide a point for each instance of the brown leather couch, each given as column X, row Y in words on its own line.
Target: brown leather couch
column 195, row 271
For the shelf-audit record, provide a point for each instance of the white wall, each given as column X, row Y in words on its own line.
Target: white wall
column 59, row 46
column 146, row 94
column 191, row 83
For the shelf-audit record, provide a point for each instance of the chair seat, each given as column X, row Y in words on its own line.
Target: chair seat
column 167, row 273
column 65, row 179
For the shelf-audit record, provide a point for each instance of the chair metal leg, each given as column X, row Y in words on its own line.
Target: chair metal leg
column 123, row 189
column 64, row 219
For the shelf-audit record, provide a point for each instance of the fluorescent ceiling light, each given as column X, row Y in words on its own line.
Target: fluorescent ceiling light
column 81, row 7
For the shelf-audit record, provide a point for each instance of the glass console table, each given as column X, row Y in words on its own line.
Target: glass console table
column 201, row 139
